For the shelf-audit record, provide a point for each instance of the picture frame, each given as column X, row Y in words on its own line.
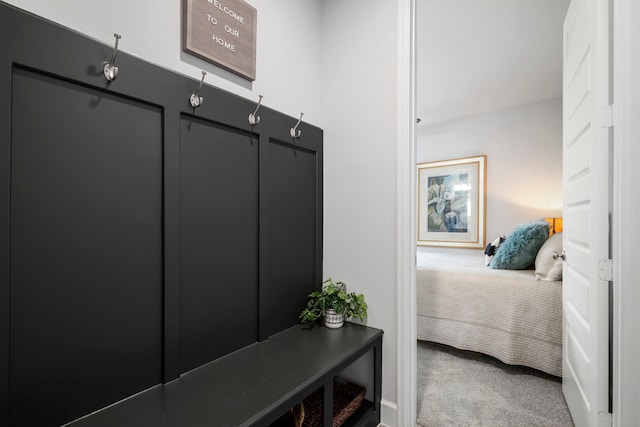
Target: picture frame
column 222, row 33
column 452, row 203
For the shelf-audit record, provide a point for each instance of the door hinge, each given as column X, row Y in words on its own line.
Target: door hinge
column 605, row 267
column 605, row 419
column 606, row 116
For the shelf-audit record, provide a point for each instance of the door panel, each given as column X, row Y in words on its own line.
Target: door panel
column 86, row 249
column 219, row 238
column 292, row 210
column 586, row 187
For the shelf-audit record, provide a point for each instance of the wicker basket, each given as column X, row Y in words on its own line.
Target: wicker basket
column 347, row 398
column 293, row 418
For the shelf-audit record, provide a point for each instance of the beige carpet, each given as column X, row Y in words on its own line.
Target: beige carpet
column 462, row 389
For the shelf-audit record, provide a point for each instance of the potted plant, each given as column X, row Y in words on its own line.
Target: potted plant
column 334, row 303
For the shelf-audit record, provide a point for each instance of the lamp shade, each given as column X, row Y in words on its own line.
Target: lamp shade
column 555, row 225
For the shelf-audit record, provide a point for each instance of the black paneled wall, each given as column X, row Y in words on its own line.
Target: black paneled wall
column 86, row 249
column 219, row 238
column 139, row 237
column 292, row 241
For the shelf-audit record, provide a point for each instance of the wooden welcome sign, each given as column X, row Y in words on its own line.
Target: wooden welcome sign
column 222, row 32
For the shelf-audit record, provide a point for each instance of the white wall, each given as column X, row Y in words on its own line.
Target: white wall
column 524, row 160
column 288, row 64
column 360, row 87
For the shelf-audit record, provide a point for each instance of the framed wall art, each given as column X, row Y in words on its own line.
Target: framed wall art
column 222, row 32
column 451, row 203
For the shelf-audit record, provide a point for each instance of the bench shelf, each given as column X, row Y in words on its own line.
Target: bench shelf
column 257, row 384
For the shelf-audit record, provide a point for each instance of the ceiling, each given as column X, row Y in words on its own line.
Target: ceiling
column 477, row 56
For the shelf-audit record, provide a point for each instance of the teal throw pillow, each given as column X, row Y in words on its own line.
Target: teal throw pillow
column 521, row 247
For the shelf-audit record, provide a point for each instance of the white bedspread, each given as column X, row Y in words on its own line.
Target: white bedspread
column 506, row 314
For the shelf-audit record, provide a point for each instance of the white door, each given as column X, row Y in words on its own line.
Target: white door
column 586, row 187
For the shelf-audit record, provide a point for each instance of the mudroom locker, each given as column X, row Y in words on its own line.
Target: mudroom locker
column 140, row 237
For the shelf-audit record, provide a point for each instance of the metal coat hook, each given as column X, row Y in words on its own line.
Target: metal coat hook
column 110, row 70
column 253, row 119
column 295, row 133
column 195, row 99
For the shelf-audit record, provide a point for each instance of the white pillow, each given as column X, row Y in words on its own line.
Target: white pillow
column 491, row 248
column 547, row 268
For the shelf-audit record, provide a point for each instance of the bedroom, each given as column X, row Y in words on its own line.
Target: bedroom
column 496, row 91
column 526, row 183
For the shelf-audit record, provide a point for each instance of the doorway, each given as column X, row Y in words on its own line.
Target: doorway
column 625, row 236
column 482, row 73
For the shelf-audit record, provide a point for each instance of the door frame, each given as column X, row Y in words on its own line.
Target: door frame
column 406, row 216
column 626, row 177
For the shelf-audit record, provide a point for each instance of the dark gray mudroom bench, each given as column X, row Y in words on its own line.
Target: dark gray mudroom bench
column 255, row 385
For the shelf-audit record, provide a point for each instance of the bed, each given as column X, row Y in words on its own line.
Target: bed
column 507, row 314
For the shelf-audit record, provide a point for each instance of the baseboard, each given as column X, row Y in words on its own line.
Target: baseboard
column 388, row 414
